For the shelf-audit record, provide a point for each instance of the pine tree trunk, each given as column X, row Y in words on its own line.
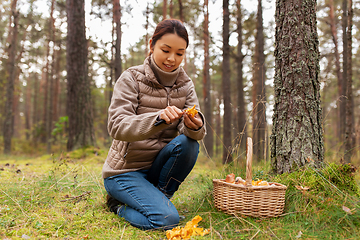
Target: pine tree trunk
column 9, row 114
column 337, row 59
column 297, row 137
column 46, row 81
column 259, row 96
column 56, row 109
column 117, row 21
column 28, row 108
column 342, row 99
column 171, row 9
column 50, row 75
column 147, row 13
column 227, row 147
column 35, row 121
column 79, row 104
column 164, row 9
column 181, row 14
column 241, row 109
column 209, row 138
column 218, row 130
column 349, row 128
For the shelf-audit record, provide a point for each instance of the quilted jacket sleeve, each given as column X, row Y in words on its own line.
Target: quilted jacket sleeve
column 123, row 122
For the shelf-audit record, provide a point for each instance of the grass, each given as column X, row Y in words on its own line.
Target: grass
column 62, row 197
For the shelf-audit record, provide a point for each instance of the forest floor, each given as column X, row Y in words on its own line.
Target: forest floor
column 62, row 197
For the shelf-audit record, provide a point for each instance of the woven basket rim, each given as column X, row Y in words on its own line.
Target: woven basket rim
column 276, row 187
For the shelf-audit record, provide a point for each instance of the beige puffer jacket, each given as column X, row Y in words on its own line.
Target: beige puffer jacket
column 136, row 103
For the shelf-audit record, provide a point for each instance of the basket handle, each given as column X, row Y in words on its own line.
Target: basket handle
column 249, row 152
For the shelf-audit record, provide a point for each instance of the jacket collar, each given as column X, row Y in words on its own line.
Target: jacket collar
column 150, row 75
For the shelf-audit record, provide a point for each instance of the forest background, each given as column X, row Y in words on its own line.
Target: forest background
column 259, row 73
column 40, row 118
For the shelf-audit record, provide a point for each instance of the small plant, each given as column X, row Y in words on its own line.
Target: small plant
column 59, row 133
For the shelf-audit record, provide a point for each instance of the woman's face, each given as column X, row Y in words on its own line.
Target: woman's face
column 169, row 51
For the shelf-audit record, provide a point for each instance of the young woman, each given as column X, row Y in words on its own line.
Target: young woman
column 155, row 142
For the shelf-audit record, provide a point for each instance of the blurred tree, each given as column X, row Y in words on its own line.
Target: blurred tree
column 349, row 128
column 117, row 23
column 241, row 107
column 9, row 114
column 332, row 22
column 297, row 136
column 164, row 9
column 209, row 138
column 259, row 90
column 342, row 85
column 50, row 70
column 79, row 104
column 227, row 140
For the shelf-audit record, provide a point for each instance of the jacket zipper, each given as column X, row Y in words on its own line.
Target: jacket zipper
column 167, row 96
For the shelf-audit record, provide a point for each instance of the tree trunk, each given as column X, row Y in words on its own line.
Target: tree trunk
column 342, row 99
column 46, row 81
column 241, row 109
column 209, row 138
column 297, row 137
column 259, row 96
column 56, row 109
column 227, row 147
column 181, row 14
column 218, row 129
column 79, row 105
column 147, row 13
column 117, row 20
column 171, row 9
column 11, row 66
column 337, row 62
column 50, row 75
column 164, row 9
column 36, row 114
column 349, row 128
column 28, row 108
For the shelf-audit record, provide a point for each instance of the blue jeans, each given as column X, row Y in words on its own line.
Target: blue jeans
column 146, row 193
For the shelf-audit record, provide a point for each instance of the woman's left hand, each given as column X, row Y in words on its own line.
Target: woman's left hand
column 194, row 123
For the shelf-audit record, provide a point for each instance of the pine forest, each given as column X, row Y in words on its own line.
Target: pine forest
column 261, row 70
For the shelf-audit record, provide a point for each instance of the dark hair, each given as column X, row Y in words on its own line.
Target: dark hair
column 170, row 26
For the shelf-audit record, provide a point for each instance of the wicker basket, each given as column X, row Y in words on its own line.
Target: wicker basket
column 255, row 201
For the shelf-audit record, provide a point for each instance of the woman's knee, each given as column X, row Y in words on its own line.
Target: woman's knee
column 188, row 144
column 168, row 220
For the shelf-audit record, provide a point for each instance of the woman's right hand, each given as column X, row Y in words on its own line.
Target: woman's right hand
column 170, row 114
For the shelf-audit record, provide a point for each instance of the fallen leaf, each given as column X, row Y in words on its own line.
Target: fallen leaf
column 347, row 210
column 299, row 234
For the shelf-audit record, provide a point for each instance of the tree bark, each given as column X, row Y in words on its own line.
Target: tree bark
column 259, row 96
column 241, row 108
column 79, row 105
column 164, row 9
column 297, row 137
column 181, row 14
column 147, row 13
column 56, row 109
column 171, row 9
column 50, row 74
column 11, row 66
column 349, row 128
column 117, row 20
column 209, row 138
column 342, row 99
column 36, row 111
column 227, row 145
column 337, row 64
